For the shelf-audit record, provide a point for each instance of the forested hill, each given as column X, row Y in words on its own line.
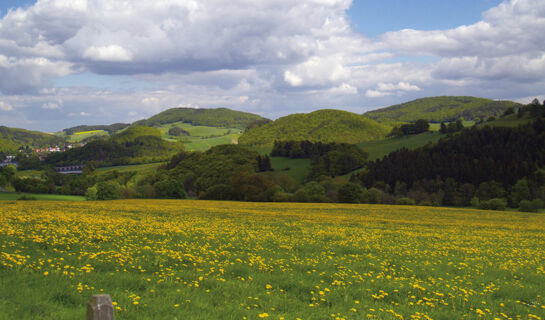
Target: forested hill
column 112, row 128
column 11, row 139
column 474, row 156
column 220, row 117
column 318, row 126
column 137, row 144
column 442, row 109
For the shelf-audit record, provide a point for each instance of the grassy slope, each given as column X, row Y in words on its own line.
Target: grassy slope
column 379, row 148
column 235, row 260
column 220, row 117
column 136, row 167
column 297, row 169
column 510, row 121
column 322, row 125
column 11, row 139
column 78, row 137
column 202, row 138
column 446, row 108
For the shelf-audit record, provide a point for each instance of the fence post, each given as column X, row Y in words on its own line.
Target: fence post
column 100, row 307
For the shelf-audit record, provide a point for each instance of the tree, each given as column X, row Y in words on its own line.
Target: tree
column 443, row 128
column 520, row 191
column 107, row 190
column 177, row 131
column 421, row 125
column 169, row 189
column 350, row 193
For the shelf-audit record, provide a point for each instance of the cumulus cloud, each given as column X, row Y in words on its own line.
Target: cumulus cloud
column 51, row 105
column 270, row 57
column 509, row 43
column 5, row 106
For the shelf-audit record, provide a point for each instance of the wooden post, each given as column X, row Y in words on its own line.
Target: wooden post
column 100, row 307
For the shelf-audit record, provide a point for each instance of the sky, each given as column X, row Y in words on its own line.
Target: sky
column 70, row 62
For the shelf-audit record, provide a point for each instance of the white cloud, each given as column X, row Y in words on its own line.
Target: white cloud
column 377, row 93
column 51, row 105
column 150, row 101
column 402, row 86
column 112, row 53
column 5, row 106
column 270, row 57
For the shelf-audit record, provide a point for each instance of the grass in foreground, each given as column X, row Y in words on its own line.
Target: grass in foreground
column 236, row 260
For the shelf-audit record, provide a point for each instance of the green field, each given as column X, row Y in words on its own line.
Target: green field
column 235, row 260
column 380, row 148
column 80, row 136
column 437, row 126
column 48, row 197
column 35, row 174
column 136, row 167
column 297, row 169
column 202, row 138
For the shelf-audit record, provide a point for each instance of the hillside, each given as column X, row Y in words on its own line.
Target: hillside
column 135, row 145
column 446, row 108
column 112, row 128
column 322, row 125
column 11, row 139
column 220, row 117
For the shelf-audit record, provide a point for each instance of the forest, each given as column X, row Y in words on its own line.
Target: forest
column 484, row 166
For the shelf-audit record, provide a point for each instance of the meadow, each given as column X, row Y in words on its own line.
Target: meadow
column 202, row 138
column 184, row 259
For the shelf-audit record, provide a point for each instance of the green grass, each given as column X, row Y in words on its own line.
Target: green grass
column 380, row 148
column 236, row 260
column 465, row 123
column 202, row 138
column 35, row 174
column 74, row 138
column 510, row 121
column 38, row 196
column 298, row 168
column 137, row 167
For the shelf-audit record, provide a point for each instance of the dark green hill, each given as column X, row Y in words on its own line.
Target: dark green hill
column 11, row 139
column 322, row 125
column 132, row 146
column 220, row 117
column 446, row 108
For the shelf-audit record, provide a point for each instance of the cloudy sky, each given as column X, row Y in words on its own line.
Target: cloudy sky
column 70, row 62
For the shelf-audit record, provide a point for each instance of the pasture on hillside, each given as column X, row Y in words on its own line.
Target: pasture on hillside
column 184, row 259
column 201, row 138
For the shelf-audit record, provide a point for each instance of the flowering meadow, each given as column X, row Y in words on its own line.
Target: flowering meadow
column 184, row 259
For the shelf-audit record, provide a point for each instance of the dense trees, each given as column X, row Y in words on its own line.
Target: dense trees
column 474, row 156
column 419, row 126
column 328, row 159
column 177, row 131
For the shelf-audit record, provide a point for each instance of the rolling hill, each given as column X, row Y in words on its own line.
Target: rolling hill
column 112, row 128
column 11, row 139
column 438, row 109
column 220, row 117
column 135, row 145
column 322, row 125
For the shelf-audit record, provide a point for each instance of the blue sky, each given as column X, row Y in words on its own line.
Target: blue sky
column 373, row 17
column 65, row 63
